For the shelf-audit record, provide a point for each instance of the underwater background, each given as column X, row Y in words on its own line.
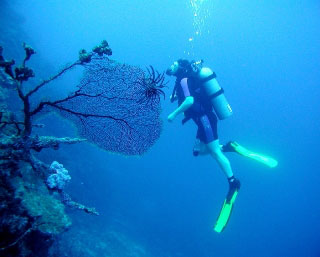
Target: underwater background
column 266, row 55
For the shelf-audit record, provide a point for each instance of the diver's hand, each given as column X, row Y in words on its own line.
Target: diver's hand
column 171, row 117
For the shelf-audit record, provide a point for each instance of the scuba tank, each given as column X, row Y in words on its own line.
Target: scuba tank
column 214, row 93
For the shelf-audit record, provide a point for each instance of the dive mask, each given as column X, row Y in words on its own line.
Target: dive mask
column 173, row 69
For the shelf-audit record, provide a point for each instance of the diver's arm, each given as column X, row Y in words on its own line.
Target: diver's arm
column 186, row 104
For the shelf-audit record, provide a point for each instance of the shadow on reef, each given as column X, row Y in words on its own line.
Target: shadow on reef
column 33, row 200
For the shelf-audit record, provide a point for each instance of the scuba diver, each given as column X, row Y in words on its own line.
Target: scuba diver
column 202, row 100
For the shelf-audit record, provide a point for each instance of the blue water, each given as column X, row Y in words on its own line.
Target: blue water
column 266, row 55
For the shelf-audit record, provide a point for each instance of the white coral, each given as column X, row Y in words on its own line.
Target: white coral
column 60, row 176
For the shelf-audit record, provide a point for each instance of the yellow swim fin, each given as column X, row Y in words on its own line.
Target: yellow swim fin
column 233, row 146
column 225, row 213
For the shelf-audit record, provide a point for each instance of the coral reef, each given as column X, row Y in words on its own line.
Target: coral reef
column 30, row 215
column 59, row 178
column 114, row 117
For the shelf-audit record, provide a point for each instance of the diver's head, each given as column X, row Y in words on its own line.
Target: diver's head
column 179, row 68
column 183, row 67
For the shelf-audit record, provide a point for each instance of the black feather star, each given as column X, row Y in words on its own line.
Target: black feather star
column 152, row 84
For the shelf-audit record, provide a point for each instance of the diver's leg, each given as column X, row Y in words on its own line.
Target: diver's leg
column 208, row 134
column 203, row 149
column 215, row 151
column 234, row 184
column 200, row 148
